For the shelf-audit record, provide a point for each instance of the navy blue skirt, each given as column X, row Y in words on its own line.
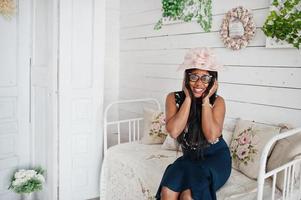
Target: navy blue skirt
column 202, row 177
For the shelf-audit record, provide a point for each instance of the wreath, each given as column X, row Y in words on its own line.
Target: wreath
column 237, row 28
column 7, row 8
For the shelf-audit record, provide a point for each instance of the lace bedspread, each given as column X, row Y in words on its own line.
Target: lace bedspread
column 133, row 171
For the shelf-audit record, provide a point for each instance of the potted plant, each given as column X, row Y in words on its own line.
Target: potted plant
column 25, row 182
column 283, row 22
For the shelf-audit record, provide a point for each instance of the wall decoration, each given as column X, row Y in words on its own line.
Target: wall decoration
column 186, row 10
column 238, row 28
column 7, row 8
column 283, row 25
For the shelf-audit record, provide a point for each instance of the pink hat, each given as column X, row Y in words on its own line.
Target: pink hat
column 200, row 58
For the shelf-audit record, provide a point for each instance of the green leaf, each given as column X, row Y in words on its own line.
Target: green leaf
column 158, row 25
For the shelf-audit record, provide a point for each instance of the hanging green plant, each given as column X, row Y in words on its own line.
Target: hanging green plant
column 186, row 10
column 284, row 22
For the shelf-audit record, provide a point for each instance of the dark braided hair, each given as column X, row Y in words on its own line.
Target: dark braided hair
column 195, row 134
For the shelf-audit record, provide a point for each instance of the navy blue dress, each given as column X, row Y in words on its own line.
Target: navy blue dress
column 203, row 176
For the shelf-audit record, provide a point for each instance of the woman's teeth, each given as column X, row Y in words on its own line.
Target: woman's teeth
column 198, row 90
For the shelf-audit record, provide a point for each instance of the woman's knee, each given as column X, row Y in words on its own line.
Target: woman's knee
column 168, row 194
column 186, row 195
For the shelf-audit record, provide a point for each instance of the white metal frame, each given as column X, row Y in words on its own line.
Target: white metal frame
column 290, row 192
column 130, row 121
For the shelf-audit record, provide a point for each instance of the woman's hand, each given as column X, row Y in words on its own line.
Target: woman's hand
column 212, row 90
column 184, row 88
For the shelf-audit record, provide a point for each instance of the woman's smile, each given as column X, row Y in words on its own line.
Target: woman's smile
column 198, row 91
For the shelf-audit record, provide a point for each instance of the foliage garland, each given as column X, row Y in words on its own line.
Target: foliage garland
column 284, row 22
column 186, row 10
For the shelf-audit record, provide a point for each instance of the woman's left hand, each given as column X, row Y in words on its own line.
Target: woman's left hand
column 212, row 90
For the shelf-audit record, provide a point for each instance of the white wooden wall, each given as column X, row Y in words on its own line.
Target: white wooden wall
column 111, row 79
column 258, row 83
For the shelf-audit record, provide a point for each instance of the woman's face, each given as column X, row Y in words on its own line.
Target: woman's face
column 197, row 84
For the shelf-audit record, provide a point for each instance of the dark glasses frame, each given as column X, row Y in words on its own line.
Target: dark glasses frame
column 202, row 78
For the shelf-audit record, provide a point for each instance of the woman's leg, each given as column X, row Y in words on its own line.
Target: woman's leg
column 186, row 195
column 168, row 194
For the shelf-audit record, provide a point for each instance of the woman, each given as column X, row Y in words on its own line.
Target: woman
column 195, row 117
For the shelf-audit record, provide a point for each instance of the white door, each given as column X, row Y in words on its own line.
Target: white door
column 14, row 95
column 81, row 64
column 43, row 93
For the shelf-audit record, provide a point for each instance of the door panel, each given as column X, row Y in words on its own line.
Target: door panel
column 43, row 93
column 14, row 95
column 81, row 56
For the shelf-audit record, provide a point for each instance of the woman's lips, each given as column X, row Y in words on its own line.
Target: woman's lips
column 198, row 91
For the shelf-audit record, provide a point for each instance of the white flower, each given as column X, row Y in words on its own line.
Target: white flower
column 16, row 182
column 40, row 178
column 30, row 173
column 20, row 174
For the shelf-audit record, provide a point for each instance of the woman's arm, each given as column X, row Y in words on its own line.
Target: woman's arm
column 213, row 118
column 176, row 119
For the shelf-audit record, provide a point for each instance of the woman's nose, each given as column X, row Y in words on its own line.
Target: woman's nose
column 199, row 82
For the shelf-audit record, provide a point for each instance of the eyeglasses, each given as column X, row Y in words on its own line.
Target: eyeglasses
column 204, row 78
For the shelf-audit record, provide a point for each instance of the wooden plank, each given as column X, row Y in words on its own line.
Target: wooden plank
column 249, row 111
column 211, row 39
column 142, row 31
column 263, row 114
column 141, row 6
column 263, row 75
column 283, row 97
column 251, row 56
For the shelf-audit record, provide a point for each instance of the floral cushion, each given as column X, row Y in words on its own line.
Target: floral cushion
column 247, row 144
column 154, row 127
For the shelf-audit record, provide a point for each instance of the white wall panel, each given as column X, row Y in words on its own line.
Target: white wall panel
column 82, row 38
column 112, row 53
column 81, row 71
column 9, row 48
column 8, row 108
column 251, row 56
column 254, row 77
column 14, row 95
column 7, row 146
column 8, row 128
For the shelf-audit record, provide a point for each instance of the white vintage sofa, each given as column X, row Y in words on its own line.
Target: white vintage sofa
column 132, row 171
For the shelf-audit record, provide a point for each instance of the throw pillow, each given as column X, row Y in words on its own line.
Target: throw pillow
column 227, row 135
column 247, row 144
column 171, row 144
column 154, row 127
column 285, row 150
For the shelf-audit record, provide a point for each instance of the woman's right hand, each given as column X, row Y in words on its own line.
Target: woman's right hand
column 184, row 88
